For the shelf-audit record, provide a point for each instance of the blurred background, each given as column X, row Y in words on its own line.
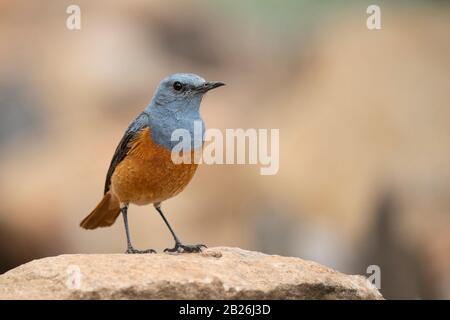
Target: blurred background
column 364, row 121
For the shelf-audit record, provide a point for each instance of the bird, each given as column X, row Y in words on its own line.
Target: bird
column 142, row 171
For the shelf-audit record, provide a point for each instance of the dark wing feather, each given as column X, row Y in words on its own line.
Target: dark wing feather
column 124, row 146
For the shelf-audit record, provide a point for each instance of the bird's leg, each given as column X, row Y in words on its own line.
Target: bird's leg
column 179, row 247
column 130, row 248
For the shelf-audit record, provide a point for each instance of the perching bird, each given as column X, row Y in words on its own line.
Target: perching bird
column 142, row 171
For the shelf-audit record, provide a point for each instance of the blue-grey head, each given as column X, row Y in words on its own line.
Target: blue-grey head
column 176, row 105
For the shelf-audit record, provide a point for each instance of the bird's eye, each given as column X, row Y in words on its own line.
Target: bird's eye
column 177, row 86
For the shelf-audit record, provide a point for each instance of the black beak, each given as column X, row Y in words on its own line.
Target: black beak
column 211, row 85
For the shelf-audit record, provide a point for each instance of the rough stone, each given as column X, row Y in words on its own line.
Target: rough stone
column 216, row 273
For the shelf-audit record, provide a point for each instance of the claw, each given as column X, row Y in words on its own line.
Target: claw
column 135, row 251
column 180, row 248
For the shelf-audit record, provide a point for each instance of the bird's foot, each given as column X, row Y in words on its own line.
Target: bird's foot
column 181, row 248
column 132, row 250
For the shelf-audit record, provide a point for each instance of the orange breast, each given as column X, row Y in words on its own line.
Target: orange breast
column 148, row 174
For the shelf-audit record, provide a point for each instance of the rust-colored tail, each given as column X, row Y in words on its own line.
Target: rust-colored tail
column 104, row 215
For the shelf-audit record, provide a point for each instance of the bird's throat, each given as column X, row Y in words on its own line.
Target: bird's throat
column 168, row 130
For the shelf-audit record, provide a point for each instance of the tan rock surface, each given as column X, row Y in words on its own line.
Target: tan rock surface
column 217, row 273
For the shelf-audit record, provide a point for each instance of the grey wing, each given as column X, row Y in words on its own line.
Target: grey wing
column 122, row 149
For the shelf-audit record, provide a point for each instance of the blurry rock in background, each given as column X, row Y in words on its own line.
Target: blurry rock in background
column 405, row 273
column 356, row 110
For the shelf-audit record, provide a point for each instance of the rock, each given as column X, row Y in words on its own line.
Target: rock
column 216, row 273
